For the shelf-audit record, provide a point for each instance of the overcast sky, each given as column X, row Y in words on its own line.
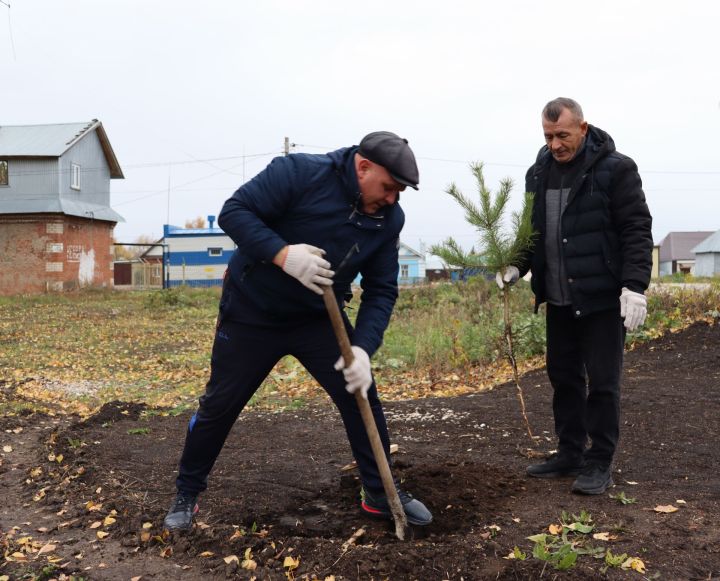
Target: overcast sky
column 197, row 97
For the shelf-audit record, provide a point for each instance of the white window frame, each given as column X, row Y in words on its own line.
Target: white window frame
column 7, row 173
column 215, row 251
column 404, row 271
column 75, row 176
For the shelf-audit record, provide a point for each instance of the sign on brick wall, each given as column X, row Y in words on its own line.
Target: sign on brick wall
column 54, row 227
column 74, row 252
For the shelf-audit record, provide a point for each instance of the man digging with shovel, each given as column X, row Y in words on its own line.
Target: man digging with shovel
column 295, row 219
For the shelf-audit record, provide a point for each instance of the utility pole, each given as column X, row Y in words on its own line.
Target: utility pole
column 286, row 149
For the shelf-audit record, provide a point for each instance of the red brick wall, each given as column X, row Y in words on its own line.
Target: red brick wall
column 54, row 252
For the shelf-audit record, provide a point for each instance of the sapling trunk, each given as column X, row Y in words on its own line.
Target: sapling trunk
column 511, row 357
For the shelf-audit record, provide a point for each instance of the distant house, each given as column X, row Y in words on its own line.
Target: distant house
column 707, row 256
column 412, row 265
column 56, row 223
column 193, row 256
column 676, row 252
column 199, row 257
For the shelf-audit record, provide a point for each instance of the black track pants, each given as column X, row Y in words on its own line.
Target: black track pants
column 242, row 357
column 584, row 364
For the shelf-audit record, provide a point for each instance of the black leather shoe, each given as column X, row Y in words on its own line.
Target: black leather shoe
column 595, row 479
column 180, row 515
column 557, row 466
column 376, row 505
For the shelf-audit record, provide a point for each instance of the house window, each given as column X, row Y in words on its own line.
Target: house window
column 4, row 172
column 75, row 176
column 215, row 251
column 404, row 271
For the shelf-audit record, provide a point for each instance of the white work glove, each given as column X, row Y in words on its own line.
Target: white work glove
column 358, row 375
column 633, row 308
column 510, row 276
column 306, row 263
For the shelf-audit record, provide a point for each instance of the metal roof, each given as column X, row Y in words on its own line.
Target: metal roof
column 710, row 244
column 680, row 245
column 54, row 140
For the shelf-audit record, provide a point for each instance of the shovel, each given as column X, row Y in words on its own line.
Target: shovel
column 378, row 451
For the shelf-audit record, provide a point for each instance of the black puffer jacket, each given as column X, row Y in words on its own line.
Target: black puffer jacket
column 606, row 228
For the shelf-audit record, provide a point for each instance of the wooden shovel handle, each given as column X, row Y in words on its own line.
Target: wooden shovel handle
column 378, row 451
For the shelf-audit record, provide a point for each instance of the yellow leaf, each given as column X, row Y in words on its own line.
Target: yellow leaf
column 666, row 508
column 46, row 549
column 291, row 563
column 108, row 521
column 555, row 529
column 249, row 564
column 635, row 564
column 7, row 449
column 231, row 559
column 207, row 554
column 96, row 525
column 147, row 525
column 680, row 501
column 59, row 458
column 601, row 536
column 51, row 457
column 93, row 506
column 102, row 534
column 236, row 535
column 145, row 536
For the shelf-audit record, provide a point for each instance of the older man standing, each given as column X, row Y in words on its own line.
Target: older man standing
column 292, row 223
column 591, row 263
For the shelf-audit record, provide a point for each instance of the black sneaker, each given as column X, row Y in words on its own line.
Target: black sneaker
column 180, row 515
column 595, row 479
column 557, row 466
column 376, row 505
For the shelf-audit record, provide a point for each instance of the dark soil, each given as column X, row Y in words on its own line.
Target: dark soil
column 278, row 489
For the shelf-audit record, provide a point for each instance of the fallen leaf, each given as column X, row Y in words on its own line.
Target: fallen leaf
column 680, row 501
column 136, row 578
column 291, row 563
column 102, row 534
column 635, row 564
column 108, row 521
column 7, row 449
column 249, row 564
column 555, row 529
column 46, row 549
column 147, row 525
column 59, row 458
column 207, row 554
column 166, row 552
column 145, row 536
column 96, row 525
column 604, row 537
column 668, row 508
column 631, row 483
column 231, row 559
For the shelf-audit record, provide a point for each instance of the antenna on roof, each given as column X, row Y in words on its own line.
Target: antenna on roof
column 12, row 42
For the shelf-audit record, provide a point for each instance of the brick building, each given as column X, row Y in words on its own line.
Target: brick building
column 56, row 223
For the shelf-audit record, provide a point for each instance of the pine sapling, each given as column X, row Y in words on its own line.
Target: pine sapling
column 499, row 249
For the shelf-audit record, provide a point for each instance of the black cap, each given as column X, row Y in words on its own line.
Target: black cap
column 394, row 154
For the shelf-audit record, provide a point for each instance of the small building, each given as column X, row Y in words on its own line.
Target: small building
column 707, row 256
column 676, row 252
column 56, row 223
column 412, row 265
column 199, row 257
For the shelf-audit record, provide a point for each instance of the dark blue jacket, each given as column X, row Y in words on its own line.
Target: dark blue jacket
column 311, row 199
column 606, row 227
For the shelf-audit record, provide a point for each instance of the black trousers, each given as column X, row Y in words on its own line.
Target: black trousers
column 584, row 364
column 242, row 357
